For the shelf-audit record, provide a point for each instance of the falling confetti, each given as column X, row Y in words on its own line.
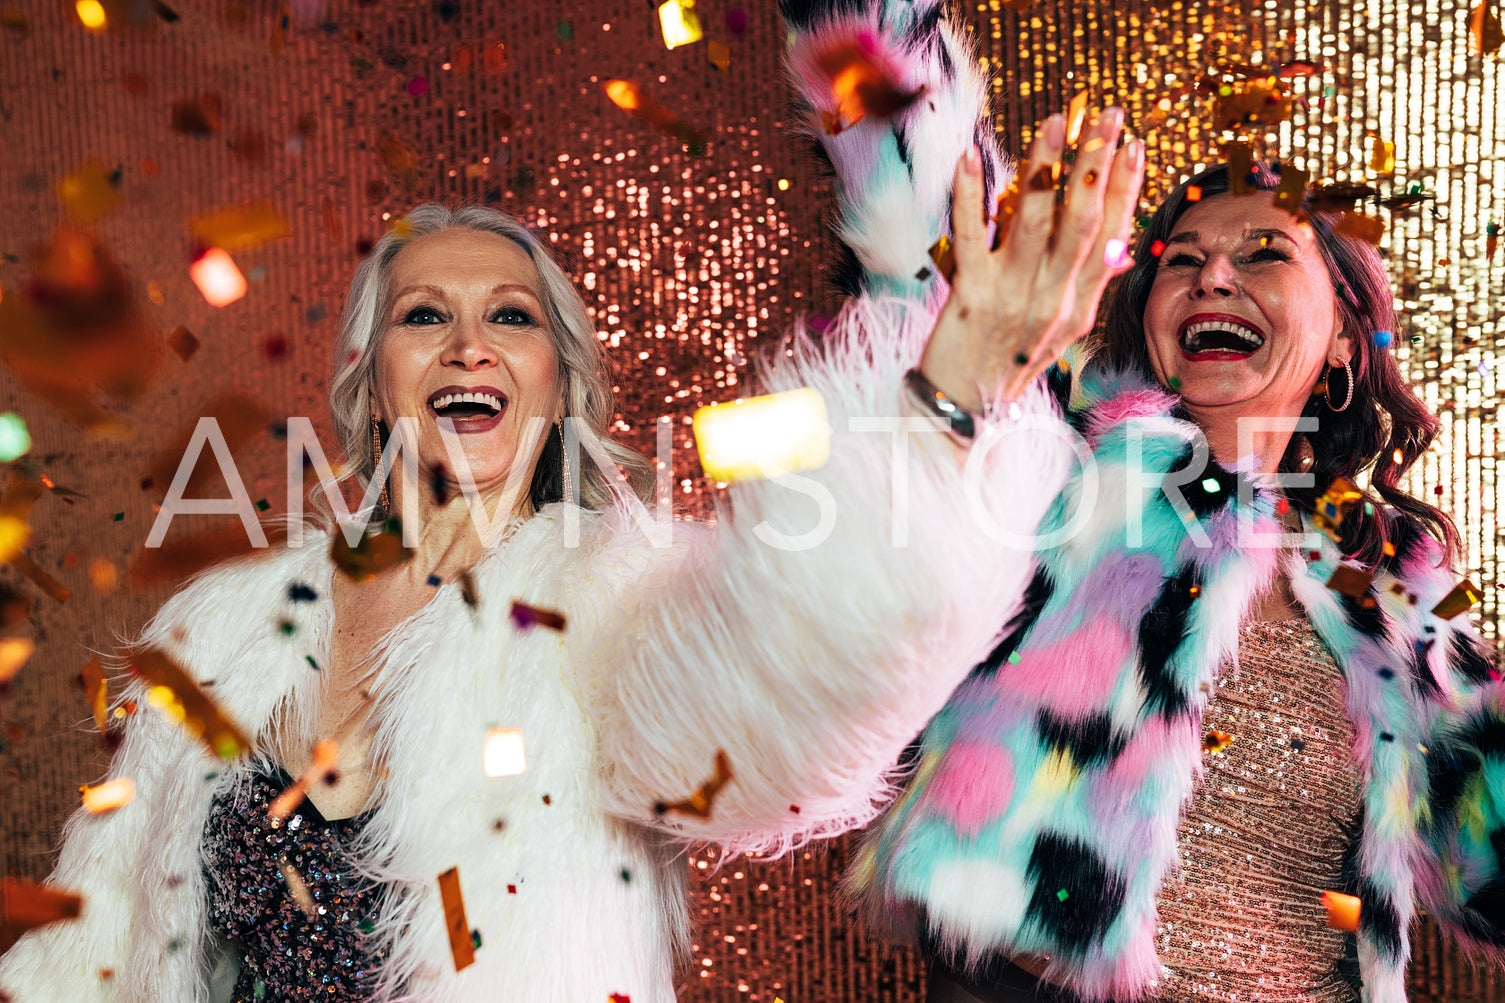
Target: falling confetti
column 460, row 944
column 1381, row 156
column 629, row 97
column 240, row 227
column 14, row 439
column 179, row 698
column 376, row 552
column 108, row 796
column 97, row 691
column 183, row 343
column 88, row 194
column 524, row 616
column 298, row 888
column 14, row 653
column 1342, row 911
column 1485, row 32
column 944, row 257
column 763, row 436
column 700, row 803
column 1334, row 504
column 325, row 755
column 1459, row 600
column 1291, row 190
column 678, row 23
column 218, row 277
column 1350, row 581
column 25, row 905
column 861, row 82
column 1216, row 741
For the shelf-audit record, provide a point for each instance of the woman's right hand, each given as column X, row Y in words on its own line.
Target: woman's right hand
column 1013, row 310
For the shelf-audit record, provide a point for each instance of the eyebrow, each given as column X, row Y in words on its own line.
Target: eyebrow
column 1192, row 237
column 436, row 291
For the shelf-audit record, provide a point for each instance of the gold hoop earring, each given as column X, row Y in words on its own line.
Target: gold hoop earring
column 564, row 466
column 386, row 502
column 1348, row 397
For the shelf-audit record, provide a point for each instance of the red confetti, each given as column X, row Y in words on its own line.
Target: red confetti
column 1193, row 193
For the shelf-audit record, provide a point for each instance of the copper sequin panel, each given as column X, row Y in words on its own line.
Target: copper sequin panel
column 288, row 954
column 1265, row 831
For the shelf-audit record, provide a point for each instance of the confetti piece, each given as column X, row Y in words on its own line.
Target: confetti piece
column 618, row 998
column 629, row 97
column 14, row 651
column 503, row 753
column 418, row 86
column 1460, row 599
column 1370, row 229
column 1292, row 189
column 700, row 803
column 1350, row 581
column 25, row 906
column 1381, row 156
column 719, row 54
column 1062, row 895
column 1240, row 161
column 88, row 194
column 1193, row 193
column 1216, row 741
column 14, row 439
column 108, row 796
column 1336, row 196
column 239, row 227
column 677, row 21
column 861, row 83
column 23, row 563
column 1491, row 240
column 460, row 944
column 325, row 755
column 524, row 616
column 91, row 13
column 175, row 693
column 1342, row 911
column 1298, row 68
column 218, row 278
column 183, row 343
column 375, row 553
column 1334, row 504
column 198, row 116
column 280, row 29
column 97, row 691
column 298, row 888
column 1485, row 32
column 944, row 257
column 1076, row 114
column 1116, row 253
column 1382, row 339
column 763, row 436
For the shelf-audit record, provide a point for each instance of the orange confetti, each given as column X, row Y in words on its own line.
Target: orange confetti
column 96, row 691
column 461, row 946
column 239, row 227
column 218, row 277
column 1292, row 189
column 1350, row 581
column 88, row 194
column 860, row 84
column 1484, row 30
column 298, row 888
column 108, row 796
column 1381, row 156
column 25, row 905
column 1216, row 741
column 375, row 553
column 1240, row 161
column 14, row 652
column 325, row 755
column 700, row 803
column 1342, row 911
column 1370, row 229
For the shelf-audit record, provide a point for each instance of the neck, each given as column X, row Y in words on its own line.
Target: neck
column 452, row 536
column 1247, row 432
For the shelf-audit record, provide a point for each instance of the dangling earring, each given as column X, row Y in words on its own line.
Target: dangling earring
column 1347, row 398
column 564, row 466
column 386, row 503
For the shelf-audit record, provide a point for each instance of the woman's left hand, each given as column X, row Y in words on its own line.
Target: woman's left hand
column 1013, row 310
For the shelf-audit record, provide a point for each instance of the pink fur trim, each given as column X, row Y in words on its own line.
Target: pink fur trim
column 1145, row 403
column 972, row 787
column 1091, row 659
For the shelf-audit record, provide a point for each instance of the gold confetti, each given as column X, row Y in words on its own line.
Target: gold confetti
column 860, row 85
column 700, row 803
column 1334, row 504
column 325, row 755
column 87, row 194
column 763, row 436
column 944, row 257
column 1381, row 156
column 1216, row 741
column 1292, row 189
column 239, row 227
column 14, row 652
column 629, row 97
column 677, row 21
column 719, row 54
column 97, row 691
column 375, row 553
column 1459, row 600
column 1240, row 161
column 460, row 944
column 298, row 888
column 1076, row 114
column 1484, row 29
column 174, row 692
column 218, row 277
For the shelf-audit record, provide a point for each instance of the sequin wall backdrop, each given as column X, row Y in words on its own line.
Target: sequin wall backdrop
column 346, row 113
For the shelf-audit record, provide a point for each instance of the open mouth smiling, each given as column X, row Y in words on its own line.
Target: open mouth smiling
column 1218, row 338
column 472, row 409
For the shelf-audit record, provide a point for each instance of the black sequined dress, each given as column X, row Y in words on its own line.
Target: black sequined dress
column 253, row 869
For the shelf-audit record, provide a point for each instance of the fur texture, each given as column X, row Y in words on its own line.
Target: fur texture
column 811, row 668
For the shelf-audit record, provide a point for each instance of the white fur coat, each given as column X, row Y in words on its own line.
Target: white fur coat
column 812, row 668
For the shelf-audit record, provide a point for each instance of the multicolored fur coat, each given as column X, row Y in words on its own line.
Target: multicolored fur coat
column 1063, row 762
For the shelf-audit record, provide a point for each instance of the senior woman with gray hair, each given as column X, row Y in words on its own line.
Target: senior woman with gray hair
column 715, row 689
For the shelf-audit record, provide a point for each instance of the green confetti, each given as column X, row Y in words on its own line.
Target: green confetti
column 1211, row 485
column 14, row 439
column 263, row 505
column 1062, row 895
column 1014, row 658
column 119, row 517
column 566, row 30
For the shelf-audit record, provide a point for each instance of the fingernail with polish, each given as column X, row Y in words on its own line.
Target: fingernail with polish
column 1110, row 120
column 1055, row 131
column 974, row 161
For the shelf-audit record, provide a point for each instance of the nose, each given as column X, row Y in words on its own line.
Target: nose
column 1215, row 279
column 467, row 346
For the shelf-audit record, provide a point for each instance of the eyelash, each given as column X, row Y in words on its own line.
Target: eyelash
column 526, row 319
column 1263, row 254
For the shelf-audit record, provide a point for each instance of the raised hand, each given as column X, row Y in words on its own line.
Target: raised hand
column 1015, row 308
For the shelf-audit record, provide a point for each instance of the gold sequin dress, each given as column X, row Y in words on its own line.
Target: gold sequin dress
column 1265, row 831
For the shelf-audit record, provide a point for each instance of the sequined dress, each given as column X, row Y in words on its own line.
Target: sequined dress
column 252, row 869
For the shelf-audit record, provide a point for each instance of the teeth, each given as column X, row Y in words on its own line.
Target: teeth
column 494, row 402
column 1192, row 336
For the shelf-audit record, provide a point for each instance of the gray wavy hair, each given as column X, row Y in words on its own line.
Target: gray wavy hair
column 587, row 385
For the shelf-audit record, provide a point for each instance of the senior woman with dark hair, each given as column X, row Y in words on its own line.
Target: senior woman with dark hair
column 1234, row 684
column 713, row 687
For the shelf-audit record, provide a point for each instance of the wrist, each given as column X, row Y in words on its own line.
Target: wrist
column 962, row 423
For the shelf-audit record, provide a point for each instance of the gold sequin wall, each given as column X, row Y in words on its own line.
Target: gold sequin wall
column 341, row 114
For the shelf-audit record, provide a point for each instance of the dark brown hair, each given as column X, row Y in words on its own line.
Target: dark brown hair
column 1385, row 415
